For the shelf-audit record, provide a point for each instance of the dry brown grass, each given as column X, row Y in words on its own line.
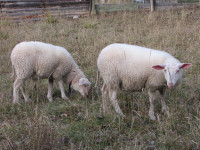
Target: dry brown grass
column 42, row 125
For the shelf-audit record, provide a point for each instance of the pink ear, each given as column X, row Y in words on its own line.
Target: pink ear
column 185, row 65
column 81, row 81
column 158, row 67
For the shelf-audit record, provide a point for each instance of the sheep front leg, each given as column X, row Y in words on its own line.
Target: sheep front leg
column 104, row 92
column 17, row 84
column 151, row 109
column 50, row 89
column 62, row 90
column 164, row 107
column 113, row 98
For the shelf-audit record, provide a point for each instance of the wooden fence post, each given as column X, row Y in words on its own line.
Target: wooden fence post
column 152, row 4
column 93, row 10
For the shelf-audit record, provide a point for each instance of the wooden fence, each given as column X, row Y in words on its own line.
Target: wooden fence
column 144, row 5
column 35, row 9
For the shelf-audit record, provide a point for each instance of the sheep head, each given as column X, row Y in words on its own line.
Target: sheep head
column 172, row 72
column 82, row 86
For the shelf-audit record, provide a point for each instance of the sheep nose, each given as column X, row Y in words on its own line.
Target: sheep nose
column 170, row 85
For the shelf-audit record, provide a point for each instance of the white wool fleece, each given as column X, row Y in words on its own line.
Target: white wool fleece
column 41, row 60
column 133, row 68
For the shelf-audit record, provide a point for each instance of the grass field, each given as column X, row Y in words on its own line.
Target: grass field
column 60, row 125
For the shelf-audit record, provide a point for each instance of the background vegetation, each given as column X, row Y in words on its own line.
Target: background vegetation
column 60, row 125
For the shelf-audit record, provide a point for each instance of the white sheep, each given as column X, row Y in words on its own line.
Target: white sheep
column 41, row 60
column 133, row 68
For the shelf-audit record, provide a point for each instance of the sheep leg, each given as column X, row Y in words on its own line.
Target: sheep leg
column 164, row 107
column 62, row 90
column 26, row 97
column 113, row 98
column 50, row 89
column 104, row 92
column 151, row 109
column 17, row 84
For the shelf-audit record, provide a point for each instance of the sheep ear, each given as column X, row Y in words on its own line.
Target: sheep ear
column 185, row 65
column 82, row 81
column 158, row 67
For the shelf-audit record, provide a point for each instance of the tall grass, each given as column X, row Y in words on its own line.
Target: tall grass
column 60, row 125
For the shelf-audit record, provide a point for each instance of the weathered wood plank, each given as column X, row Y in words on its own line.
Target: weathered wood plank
column 41, row 4
column 23, row 14
column 7, row 10
column 161, row 6
column 68, row 8
column 22, row 4
column 49, row 10
column 76, row 7
column 14, row 1
column 102, row 8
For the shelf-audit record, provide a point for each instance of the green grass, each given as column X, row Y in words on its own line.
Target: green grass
column 79, row 125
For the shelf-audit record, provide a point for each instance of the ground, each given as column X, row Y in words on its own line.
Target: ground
column 80, row 125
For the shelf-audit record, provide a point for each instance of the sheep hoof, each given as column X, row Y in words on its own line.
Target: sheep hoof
column 15, row 102
column 166, row 113
column 28, row 100
column 152, row 117
column 100, row 117
column 50, row 99
column 122, row 115
column 67, row 99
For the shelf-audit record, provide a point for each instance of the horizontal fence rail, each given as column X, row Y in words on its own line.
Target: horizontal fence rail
column 35, row 9
column 162, row 6
column 105, row 8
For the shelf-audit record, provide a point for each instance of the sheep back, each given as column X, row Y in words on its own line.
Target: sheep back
column 37, row 59
column 130, row 67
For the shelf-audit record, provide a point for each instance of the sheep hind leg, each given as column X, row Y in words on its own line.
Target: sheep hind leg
column 26, row 97
column 50, row 90
column 17, row 84
column 113, row 98
column 104, row 92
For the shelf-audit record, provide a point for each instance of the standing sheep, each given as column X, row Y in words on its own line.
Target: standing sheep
column 133, row 68
column 41, row 60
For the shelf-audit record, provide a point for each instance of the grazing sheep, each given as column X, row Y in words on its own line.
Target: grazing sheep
column 133, row 68
column 41, row 60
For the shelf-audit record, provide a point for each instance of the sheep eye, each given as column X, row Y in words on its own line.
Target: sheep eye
column 165, row 70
